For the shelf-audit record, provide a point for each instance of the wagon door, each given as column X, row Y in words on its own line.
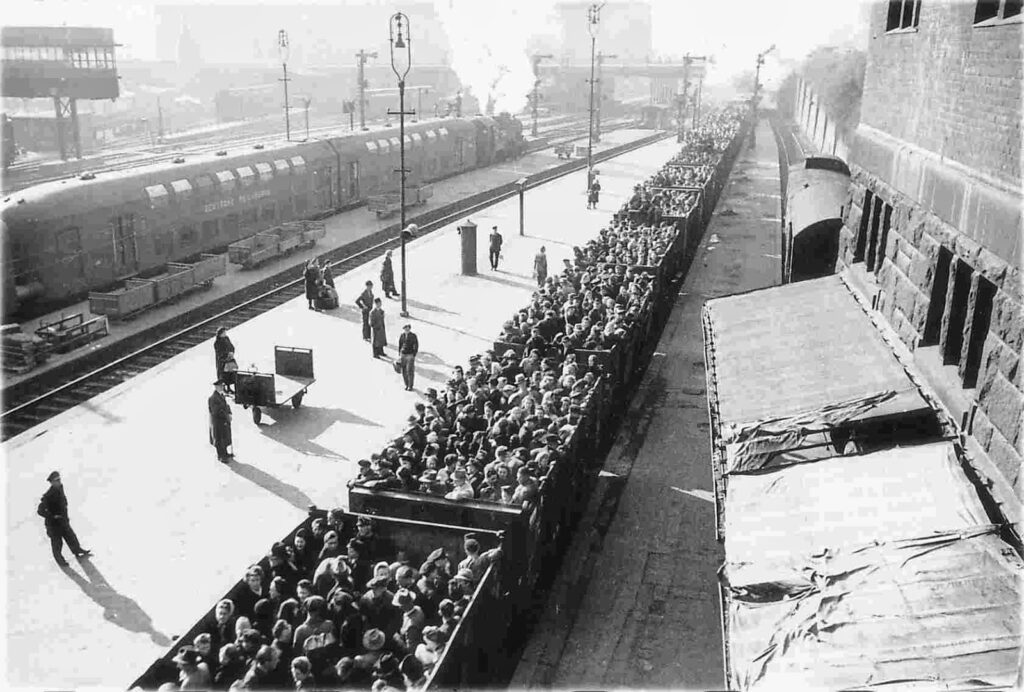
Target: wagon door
column 126, row 250
column 353, row 180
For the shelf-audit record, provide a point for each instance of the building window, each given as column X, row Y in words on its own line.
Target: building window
column 981, row 319
column 187, row 236
column 992, row 11
column 903, row 14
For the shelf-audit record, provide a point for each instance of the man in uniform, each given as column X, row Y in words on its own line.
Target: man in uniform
column 387, row 277
column 365, row 303
column 380, row 339
column 495, row 251
column 53, row 508
column 220, row 422
column 540, row 267
column 408, row 347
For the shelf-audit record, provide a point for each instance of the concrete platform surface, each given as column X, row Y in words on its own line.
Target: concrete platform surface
column 635, row 604
column 342, row 229
column 173, row 529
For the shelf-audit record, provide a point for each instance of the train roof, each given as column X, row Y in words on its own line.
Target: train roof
column 822, row 162
column 118, row 187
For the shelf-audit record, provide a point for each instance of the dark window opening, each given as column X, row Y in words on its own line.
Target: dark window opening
column 884, row 239
column 876, row 218
column 957, row 314
column 980, row 322
column 937, row 302
column 985, row 9
column 209, row 230
column 231, row 225
column 268, row 213
column 862, row 234
column 250, row 217
column 301, row 204
column 187, row 235
column 1012, row 8
column 903, row 14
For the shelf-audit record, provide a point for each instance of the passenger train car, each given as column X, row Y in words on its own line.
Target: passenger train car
column 815, row 195
column 64, row 238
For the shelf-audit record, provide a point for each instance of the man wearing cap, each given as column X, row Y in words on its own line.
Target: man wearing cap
column 494, row 254
column 220, row 422
column 408, row 347
column 53, row 508
column 380, row 337
column 376, row 606
column 412, row 615
column 365, row 304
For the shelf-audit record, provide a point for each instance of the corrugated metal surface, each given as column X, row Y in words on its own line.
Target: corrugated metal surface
column 809, row 508
column 797, row 348
column 935, row 613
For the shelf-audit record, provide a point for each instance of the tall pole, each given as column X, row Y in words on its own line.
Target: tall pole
column 600, row 95
column 307, row 101
column 160, row 120
column 534, row 101
column 400, row 39
column 362, row 56
column 696, row 103
column 282, row 46
column 593, row 17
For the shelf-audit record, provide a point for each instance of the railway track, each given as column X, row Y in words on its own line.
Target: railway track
column 78, row 381
column 166, row 152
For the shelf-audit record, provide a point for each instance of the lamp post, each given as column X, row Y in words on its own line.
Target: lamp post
column 306, row 101
column 536, row 85
column 401, row 61
column 600, row 95
column 593, row 18
column 282, row 49
column 362, row 55
column 521, row 185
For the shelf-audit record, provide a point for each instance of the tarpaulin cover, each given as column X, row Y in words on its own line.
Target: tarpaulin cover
column 941, row 612
column 815, row 508
column 803, row 355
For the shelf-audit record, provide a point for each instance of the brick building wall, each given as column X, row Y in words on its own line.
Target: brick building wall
column 933, row 222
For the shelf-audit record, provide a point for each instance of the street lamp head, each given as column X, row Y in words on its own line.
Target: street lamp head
column 401, row 44
column 282, row 45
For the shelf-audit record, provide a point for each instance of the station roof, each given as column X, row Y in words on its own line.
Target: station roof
column 66, row 36
column 939, row 611
column 789, row 361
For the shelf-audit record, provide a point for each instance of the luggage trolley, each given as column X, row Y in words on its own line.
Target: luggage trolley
column 292, row 376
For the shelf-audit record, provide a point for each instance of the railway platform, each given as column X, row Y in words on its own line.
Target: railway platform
column 172, row 529
column 636, row 601
column 342, row 229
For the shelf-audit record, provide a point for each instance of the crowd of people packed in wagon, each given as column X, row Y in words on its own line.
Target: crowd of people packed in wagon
column 335, row 611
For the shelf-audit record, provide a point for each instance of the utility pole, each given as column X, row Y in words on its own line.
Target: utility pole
column 681, row 98
column 537, row 57
column 600, row 95
column 362, row 56
column 756, row 96
column 282, row 47
column 400, row 64
column 593, row 19
column 160, row 120
column 696, row 101
column 306, row 101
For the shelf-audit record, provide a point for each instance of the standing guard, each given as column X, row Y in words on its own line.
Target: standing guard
column 380, row 338
column 220, row 423
column 365, row 303
column 387, row 277
column 53, row 508
column 495, row 247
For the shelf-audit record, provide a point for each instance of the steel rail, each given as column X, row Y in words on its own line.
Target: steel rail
column 27, row 415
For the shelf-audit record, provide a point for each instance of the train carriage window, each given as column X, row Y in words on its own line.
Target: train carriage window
column 227, row 181
column 394, row 142
column 246, row 176
column 205, row 185
column 209, row 230
column 371, row 147
column 431, row 134
column 158, row 196
column 267, row 213
column 417, row 138
column 282, row 167
column 264, row 171
column 187, row 236
column 298, row 163
column 250, row 218
column 182, row 188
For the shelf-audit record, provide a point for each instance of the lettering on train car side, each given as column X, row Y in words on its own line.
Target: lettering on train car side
column 242, row 199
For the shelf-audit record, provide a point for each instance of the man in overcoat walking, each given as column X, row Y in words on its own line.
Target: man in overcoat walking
column 540, row 267
column 495, row 247
column 365, row 303
column 53, row 508
column 380, row 337
column 220, row 422
column 387, row 277
column 408, row 347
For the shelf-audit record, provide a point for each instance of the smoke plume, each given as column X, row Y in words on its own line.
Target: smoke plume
column 490, row 51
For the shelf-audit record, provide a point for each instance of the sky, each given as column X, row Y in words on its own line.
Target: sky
column 733, row 31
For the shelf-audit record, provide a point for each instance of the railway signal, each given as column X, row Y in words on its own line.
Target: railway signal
column 283, row 51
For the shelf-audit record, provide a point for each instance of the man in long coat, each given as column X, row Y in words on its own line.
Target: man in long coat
column 365, row 304
column 311, row 276
column 494, row 253
column 380, row 337
column 387, row 277
column 540, row 267
column 220, row 422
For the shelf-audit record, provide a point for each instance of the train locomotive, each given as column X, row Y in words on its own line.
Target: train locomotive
column 64, row 238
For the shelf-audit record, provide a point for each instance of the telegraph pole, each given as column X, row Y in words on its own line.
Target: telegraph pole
column 600, row 95
column 362, row 56
column 593, row 19
column 282, row 47
column 536, row 86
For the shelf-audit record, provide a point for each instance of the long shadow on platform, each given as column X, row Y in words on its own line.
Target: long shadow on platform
column 432, row 359
column 344, row 311
column 417, row 305
column 297, row 428
column 500, row 279
column 288, row 493
column 117, row 608
column 450, row 329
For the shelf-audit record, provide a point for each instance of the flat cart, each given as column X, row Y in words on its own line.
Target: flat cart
column 563, row 151
column 292, row 376
column 389, row 203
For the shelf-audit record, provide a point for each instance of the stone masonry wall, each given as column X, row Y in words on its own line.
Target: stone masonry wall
column 949, row 87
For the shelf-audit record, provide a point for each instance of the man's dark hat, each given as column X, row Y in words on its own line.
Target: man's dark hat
column 437, row 555
column 53, row 475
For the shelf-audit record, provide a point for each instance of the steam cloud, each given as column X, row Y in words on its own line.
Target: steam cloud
column 489, row 48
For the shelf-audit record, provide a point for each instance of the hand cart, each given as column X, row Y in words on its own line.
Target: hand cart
column 292, row 376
